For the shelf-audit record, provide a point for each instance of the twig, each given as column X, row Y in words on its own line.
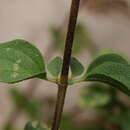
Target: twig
column 62, row 87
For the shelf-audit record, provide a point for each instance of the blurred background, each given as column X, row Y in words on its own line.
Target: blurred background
column 102, row 24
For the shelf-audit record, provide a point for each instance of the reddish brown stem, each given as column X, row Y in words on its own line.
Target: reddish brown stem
column 62, row 87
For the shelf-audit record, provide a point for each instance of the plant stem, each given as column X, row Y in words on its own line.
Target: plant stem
column 62, row 87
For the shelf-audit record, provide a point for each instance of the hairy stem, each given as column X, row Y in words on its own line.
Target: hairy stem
column 62, row 87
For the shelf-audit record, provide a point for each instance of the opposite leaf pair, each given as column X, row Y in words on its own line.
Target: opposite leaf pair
column 55, row 66
column 20, row 60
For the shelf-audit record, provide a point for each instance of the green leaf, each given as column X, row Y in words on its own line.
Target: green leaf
column 76, row 67
column 106, row 57
column 115, row 74
column 29, row 106
column 19, row 60
column 54, row 67
column 95, row 95
column 122, row 119
column 35, row 125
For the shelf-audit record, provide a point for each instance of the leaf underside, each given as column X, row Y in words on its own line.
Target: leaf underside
column 19, row 60
column 112, row 69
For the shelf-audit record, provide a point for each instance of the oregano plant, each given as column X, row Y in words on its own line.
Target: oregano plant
column 21, row 60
